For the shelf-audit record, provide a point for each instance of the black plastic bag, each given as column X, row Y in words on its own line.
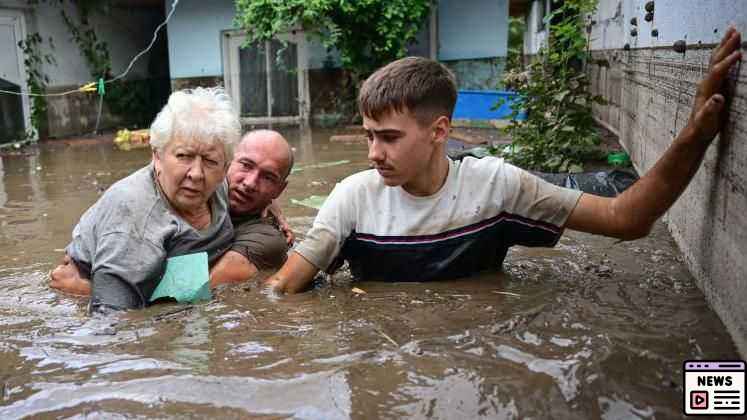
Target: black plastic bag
column 604, row 183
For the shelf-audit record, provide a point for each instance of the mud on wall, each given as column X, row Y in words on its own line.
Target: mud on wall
column 478, row 74
column 650, row 92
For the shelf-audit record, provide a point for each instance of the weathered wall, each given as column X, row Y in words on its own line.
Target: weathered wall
column 536, row 32
column 478, row 74
column 473, row 29
column 473, row 41
column 194, row 37
column 126, row 31
column 195, row 45
column 650, row 90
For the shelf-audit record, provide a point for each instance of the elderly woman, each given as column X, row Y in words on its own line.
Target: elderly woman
column 176, row 205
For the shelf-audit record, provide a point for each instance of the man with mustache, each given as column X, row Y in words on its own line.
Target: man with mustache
column 420, row 216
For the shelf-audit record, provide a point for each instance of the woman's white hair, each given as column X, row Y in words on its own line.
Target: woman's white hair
column 201, row 114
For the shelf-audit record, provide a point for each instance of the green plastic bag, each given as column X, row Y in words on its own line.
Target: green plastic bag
column 618, row 159
column 186, row 279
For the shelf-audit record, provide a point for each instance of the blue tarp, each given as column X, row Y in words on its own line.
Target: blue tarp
column 480, row 104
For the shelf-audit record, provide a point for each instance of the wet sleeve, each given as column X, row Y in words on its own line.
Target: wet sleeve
column 125, row 271
column 260, row 243
column 536, row 211
column 332, row 225
column 111, row 292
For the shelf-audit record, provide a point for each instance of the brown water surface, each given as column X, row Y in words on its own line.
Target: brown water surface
column 589, row 329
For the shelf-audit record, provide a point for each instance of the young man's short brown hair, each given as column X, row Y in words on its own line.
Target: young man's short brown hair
column 424, row 87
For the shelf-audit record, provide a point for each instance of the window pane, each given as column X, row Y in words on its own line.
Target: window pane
column 284, row 73
column 253, row 81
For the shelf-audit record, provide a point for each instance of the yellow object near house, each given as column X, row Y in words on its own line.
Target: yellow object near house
column 128, row 140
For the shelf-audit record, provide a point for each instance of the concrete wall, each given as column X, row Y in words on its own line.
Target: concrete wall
column 472, row 29
column 478, row 74
column 536, row 33
column 473, row 41
column 125, row 30
column 194, row 37
column 650, row 89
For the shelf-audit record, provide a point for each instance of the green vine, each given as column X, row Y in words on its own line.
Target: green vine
column 367, row 33
column 559, row 133
column 516, row 29
column 36, row 79
column 134, row 101
column 95, row 52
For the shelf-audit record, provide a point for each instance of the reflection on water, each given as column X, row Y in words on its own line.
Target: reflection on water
column 591, row 328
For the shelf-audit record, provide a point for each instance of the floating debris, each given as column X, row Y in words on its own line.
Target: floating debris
column 390, row 339
column 314, row 201
column 319, row 165
column 127, row 140
column 506, row 293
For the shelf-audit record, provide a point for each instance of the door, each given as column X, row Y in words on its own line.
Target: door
column 14, row 109
column 267, row 80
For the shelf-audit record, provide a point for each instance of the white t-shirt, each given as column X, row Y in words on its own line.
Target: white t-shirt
column 484, row 207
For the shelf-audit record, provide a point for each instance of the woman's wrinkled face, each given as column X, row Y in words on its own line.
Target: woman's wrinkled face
column 189, row 171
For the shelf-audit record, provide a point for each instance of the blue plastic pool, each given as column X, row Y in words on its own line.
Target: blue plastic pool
column 478, row 105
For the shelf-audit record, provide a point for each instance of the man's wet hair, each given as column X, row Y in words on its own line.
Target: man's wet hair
column 424, row 87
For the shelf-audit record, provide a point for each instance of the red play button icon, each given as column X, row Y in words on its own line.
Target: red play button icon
column 698, row 400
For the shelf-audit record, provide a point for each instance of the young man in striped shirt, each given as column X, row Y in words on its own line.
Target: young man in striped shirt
column 420, row 216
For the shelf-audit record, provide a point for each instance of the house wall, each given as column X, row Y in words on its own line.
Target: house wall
column 650, row 89
column 194, row 37
column 125, row 30
column 536, row 34
column 14, row 110
column 473, row 41
column 195, row 46
column 472, row 29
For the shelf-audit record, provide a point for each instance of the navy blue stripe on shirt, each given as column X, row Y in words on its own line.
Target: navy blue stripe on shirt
column 465, row 230
column 456, row 253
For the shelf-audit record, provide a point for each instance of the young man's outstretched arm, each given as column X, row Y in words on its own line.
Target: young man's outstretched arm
column 631, row 214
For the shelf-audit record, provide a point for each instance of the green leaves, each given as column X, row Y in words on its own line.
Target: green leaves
column 367, row 33
column 559, row 133
column 36, row 79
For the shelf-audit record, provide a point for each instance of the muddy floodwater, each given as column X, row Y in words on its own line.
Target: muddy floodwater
column 590, row 329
